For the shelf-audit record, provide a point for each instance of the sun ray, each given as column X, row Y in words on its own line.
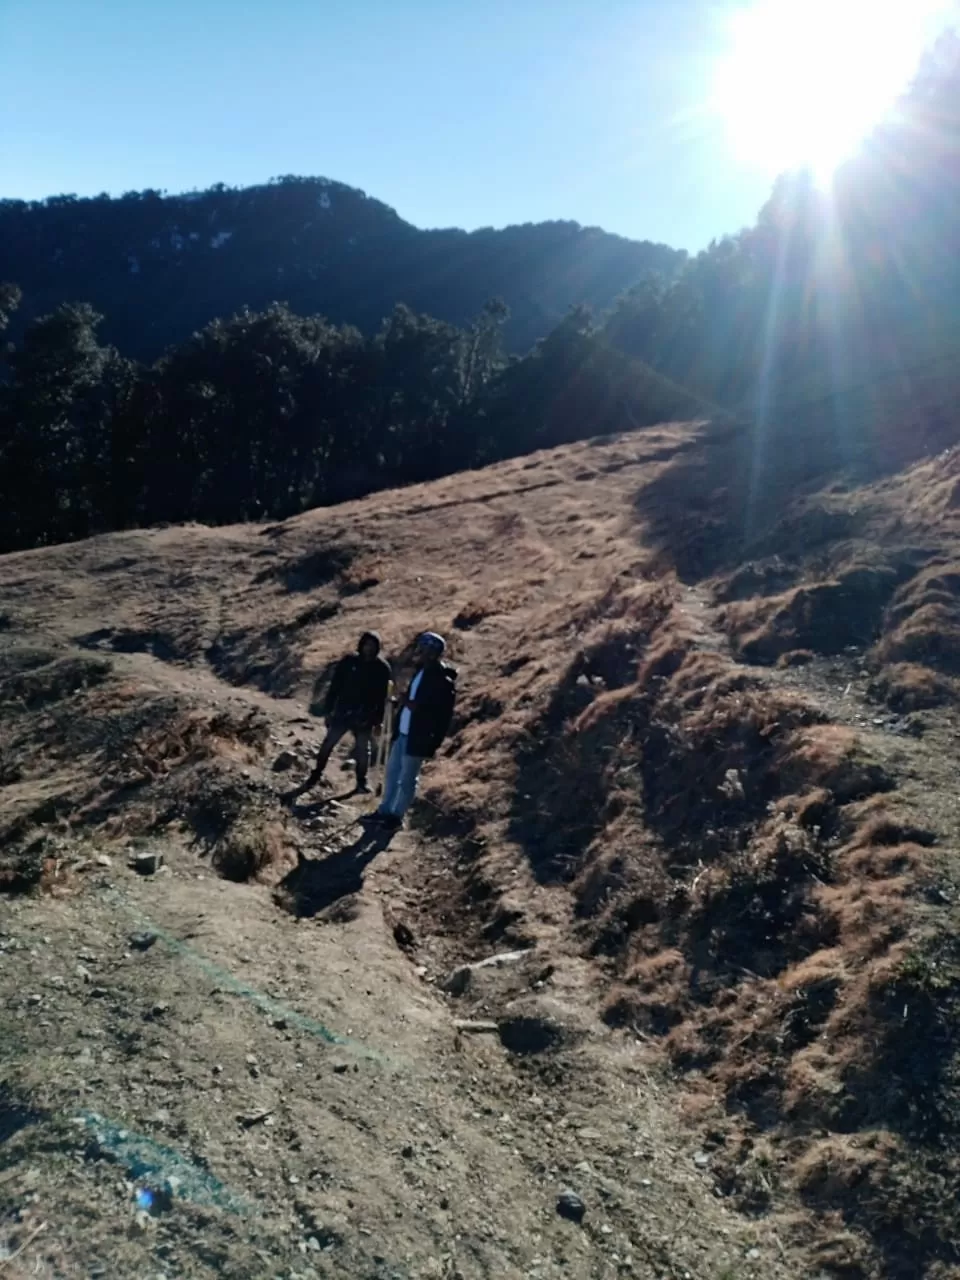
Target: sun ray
column 803, row 81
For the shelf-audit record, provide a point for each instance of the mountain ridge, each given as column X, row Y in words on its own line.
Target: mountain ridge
column 161, row 266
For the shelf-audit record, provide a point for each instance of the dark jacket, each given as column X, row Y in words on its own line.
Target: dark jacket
column 431, row 711
column 358, row 691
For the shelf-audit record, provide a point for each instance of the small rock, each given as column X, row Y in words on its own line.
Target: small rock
column 34, row 1000
column 459, row 980
column 142, row 941
column 158, row 1010
column 753, row 1255
column 340, row 1068
column 701, row 1160
column 254, row 1118
column 142, row 1222
column 99, row 992
column 570, row 1206
column 732, row 785
column 284, row 761
column 103, row 860
column 408, row 1152
column 606, row 1229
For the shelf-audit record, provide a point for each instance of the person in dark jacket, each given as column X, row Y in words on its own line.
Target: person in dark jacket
column 425, row 713
column 354, row 704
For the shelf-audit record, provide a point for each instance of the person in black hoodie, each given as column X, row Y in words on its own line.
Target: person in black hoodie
column 425, row 713
column 354, row 704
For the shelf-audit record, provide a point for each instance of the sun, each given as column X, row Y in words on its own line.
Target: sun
column 803, row 81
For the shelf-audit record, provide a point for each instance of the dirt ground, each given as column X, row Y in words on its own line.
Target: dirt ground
column 264, row 1057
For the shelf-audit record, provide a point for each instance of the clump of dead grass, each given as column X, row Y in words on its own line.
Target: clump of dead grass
column 795, row 658
column 735, row 870
column 825, row 617
column 832, row 758
column 44, row 679
column 755, row 911
column 187, row 738
column 254, row 847
column 922, row 625
column 362, row 573
column 907, row 687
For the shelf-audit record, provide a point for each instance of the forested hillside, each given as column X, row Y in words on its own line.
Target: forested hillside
column 848, row 289
column 160, row 266
column 833, row 325
column 269, row 413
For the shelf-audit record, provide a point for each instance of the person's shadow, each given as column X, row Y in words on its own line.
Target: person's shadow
column 318, row 883
column 313, row 808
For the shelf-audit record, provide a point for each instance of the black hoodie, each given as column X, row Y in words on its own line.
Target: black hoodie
column 358, row 691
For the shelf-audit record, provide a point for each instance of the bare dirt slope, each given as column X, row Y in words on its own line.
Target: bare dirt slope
column 700, row 776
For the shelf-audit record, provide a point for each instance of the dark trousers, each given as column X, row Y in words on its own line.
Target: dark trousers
column 361, row 750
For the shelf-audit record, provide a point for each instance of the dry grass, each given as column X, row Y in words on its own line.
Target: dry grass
column 923, row 622
column 826, row 617
column 907, row 687
column 734, row 865
column 40, row 678
column 254, row 848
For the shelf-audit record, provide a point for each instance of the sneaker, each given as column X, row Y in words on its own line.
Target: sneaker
column 363, row 787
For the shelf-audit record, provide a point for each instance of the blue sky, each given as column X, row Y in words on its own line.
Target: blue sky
column 456, row 112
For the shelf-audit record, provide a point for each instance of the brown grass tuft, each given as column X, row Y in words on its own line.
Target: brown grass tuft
column 922, row 625
column 830, row 757
column 826, row 617
column 254, row 848
column 796, row 658
column 906, row 687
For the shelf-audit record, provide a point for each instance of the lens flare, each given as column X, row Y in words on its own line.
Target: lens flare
column 803, row 81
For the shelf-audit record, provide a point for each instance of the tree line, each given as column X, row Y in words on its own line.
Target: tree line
column 158, row 267
column 268, row 413
column 835, row 284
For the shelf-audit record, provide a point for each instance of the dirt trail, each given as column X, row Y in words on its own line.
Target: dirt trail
column 200, row 1077
column 305, row 1081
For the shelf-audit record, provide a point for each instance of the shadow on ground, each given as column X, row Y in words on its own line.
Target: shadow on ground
column 315, row 884
column 314, row 808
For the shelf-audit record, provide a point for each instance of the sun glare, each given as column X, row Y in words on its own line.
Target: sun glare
column 803, row 81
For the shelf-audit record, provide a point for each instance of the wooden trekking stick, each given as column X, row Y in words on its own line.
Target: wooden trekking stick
column 386, row 733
